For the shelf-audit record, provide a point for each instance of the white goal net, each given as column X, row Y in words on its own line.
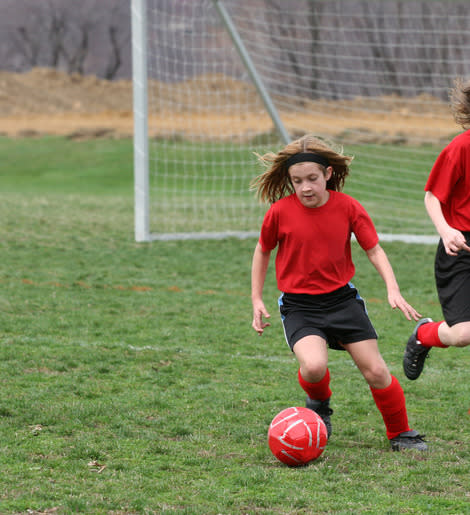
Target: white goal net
column 373, row 76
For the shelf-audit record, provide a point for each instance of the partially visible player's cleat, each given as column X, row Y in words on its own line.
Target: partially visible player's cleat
column 323, row 409
column 409, row 440
column 415, row 353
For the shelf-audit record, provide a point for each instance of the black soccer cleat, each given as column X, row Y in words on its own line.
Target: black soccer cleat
column 409, row 440
column 323, row 409
column 415, row 353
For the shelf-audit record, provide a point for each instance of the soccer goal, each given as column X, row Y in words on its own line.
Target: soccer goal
column 216, row 81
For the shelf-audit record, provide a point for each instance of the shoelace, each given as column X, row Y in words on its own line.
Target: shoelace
column 415, row 438
column 417, row 354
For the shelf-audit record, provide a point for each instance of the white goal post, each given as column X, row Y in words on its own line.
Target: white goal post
column 217, row 80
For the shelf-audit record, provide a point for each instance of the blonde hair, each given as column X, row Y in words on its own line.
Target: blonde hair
column 275, row 183
column 460, row 102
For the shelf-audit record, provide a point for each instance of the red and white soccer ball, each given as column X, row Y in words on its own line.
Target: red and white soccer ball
column 297, row 436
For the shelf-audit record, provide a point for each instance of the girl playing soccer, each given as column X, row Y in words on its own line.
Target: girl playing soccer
column 447, row 201
column 311, row 223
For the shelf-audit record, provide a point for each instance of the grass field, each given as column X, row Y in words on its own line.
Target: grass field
column 132, row 382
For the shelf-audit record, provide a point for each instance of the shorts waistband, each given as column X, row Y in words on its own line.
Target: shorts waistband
column 322, row 299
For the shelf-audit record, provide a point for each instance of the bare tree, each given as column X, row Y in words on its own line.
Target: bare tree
column 28, row 47
column 313, row 18
column 380, row 44
column 57, row 33
column 119, row 38
column 280, row 33
column 75, row 48
column 115, row 56
column 28, row 43
column 90, row 36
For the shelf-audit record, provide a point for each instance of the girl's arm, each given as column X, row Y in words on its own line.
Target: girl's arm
column 380, row 261
column 258, row 276
column 452, row 239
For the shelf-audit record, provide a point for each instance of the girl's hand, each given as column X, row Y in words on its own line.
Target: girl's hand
column 259, row 311
column 396, row 300
column 454, row 241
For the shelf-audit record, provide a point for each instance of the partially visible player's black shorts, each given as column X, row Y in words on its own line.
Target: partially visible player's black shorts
column 339, row 317
column 453, row 283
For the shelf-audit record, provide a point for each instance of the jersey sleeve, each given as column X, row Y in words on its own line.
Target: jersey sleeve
column 444, row 175
column 363, row 227
column 269, row 230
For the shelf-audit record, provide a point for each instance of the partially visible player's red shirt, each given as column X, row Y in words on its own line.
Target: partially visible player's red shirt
column 449, row 181
column 314, row 254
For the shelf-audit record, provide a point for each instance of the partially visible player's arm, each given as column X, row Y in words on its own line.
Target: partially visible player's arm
column 452, row 239
column 380, row 261
column 258, row 275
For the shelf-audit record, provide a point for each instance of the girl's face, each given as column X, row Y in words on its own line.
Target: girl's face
column 309, row 181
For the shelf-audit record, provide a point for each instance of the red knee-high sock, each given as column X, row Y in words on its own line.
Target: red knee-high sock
column 392, row 405
column 428, row 335
column 319, row 391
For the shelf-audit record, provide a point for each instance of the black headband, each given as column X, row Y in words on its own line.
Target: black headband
column 302, row 157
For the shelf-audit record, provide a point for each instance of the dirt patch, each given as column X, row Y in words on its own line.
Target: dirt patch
column 46, row 101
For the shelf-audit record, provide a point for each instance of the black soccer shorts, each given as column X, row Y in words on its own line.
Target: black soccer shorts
column 452, row 275
column 339, row 317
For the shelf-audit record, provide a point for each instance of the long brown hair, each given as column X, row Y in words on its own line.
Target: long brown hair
column 460, row 102
column 274, row 183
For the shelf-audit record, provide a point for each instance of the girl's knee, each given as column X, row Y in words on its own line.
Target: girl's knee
column 462, row 335
column 377, row 376
column 313, row 372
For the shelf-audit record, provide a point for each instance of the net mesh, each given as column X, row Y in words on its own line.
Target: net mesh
column 371, row 76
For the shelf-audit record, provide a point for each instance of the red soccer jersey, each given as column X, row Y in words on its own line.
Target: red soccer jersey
column 314, row 253
column 449, row 181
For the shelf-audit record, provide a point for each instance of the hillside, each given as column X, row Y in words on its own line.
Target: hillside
column 45, row 101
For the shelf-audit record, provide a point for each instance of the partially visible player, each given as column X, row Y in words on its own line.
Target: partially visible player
column 311, row 222
column 447, row 200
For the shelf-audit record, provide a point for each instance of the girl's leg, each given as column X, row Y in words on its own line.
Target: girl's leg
column 386, row 389
column 314, row 376
column 368, row 359
column 428, row 334
column 456, row 336
column 312, row 354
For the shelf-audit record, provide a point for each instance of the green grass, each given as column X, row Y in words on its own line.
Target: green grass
column 132, row 382
column 55, row 164
column 387, row 180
